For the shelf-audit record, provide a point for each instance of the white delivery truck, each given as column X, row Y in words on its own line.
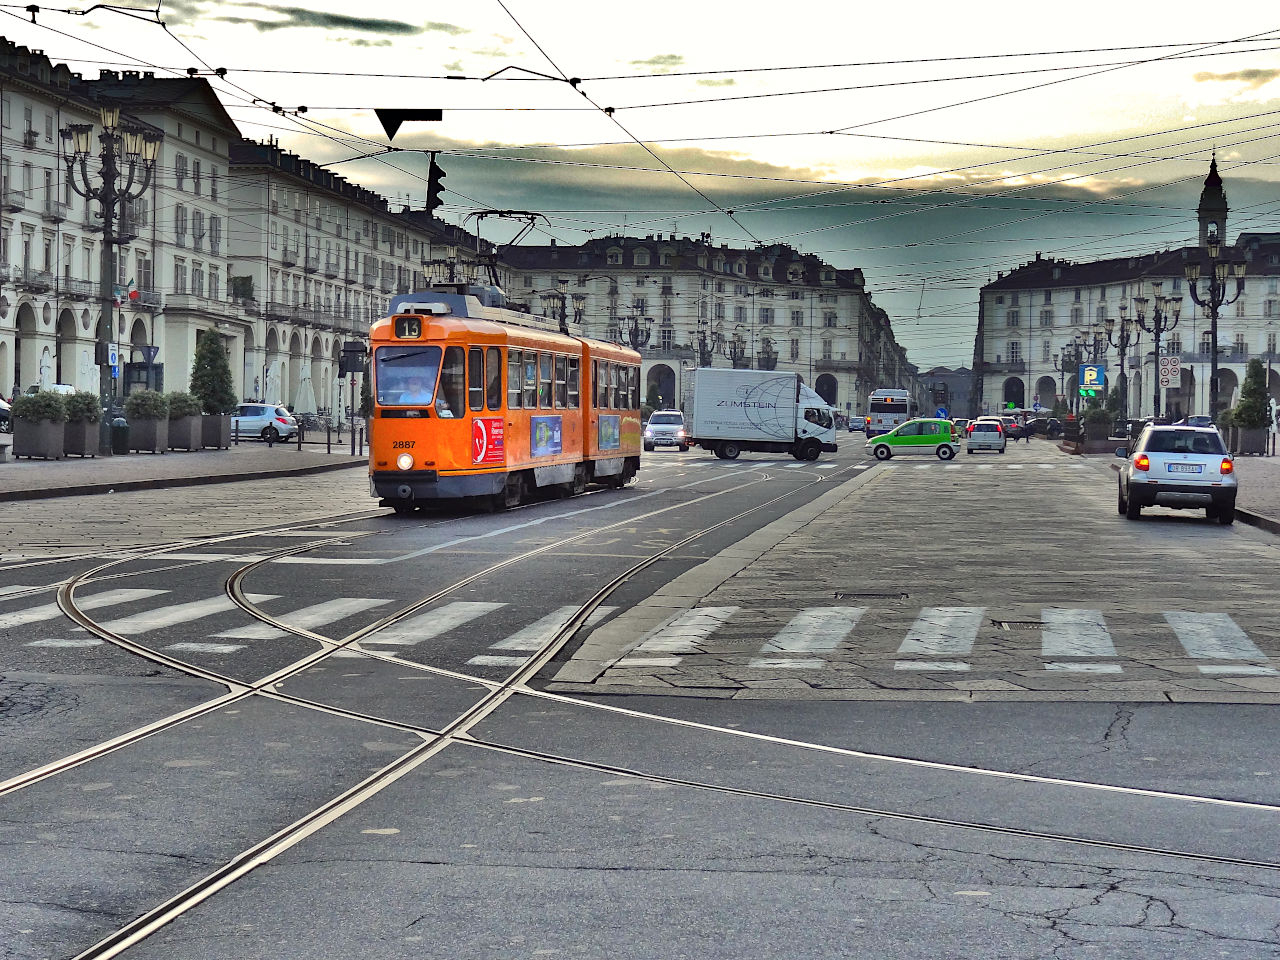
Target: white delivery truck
column 761, row 410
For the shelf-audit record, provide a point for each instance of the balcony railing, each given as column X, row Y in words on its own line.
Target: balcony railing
column 331, row 268
column 289, row 257
column 79, row 289
column 55, row 211
column 15, row 201
column 829, row 364
column 35, row 280
column 312, row 263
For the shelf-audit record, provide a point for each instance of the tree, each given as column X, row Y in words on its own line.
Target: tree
column 211, row 375
column 1252, row 412
column 366, row 395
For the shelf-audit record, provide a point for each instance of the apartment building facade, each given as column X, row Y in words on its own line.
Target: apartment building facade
column 1037, row 323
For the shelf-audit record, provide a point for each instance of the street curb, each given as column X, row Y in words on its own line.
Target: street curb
column 125, row 486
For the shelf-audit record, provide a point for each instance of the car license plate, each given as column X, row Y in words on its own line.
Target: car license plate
column 1185, row 468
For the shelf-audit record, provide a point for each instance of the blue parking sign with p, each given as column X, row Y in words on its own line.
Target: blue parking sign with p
column 1093, row 375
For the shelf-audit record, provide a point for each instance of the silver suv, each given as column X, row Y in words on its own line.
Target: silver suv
column 666, row 429
column 265, row 420
column 1183, row 467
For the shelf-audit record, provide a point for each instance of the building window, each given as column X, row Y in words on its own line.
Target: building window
column 829, row 318
column 1046, row 351
column 1015, row 351
column 195, row 177
column 213, row 184
column 795, row 349
column 797, row 318
column 1206, row 343
column 180, row 224
column 1271, row 343
column 215, row 234
column 197, row 279
column 766, row 316
column 1101, row 313
column 1077, row 316
column 826, row 349
column 739, row 314
column 1238, row 348
column 1046, row 318
column 180, row 171
column 1012, row 319
column 179, row 275
column 1174, row 344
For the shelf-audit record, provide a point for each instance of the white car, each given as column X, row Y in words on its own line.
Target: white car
column 265, row 420
column 985, row 435
column 1184, row 467
column 666, row 429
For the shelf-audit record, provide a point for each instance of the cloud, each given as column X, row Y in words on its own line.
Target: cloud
column 302, row 17
column 1252, row 79
column 720, row 82
column 361, row 42
column 661, row 62
column 453, row 30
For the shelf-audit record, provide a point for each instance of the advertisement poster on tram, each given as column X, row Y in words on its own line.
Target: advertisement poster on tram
column 544, row 436
column 610, row 432
column 487, row 438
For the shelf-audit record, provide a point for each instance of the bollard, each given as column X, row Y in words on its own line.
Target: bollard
column 328, row 438
column 235, row 433
column 301, row 431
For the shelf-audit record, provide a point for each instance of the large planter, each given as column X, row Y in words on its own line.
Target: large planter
column 38, row 438
column 216, row 430
column 149, row 435
column 186, row 433
column 1097, row 431
column 80, row 437
column 1251, row 439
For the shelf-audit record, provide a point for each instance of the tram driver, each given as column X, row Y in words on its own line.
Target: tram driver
column 416, row 391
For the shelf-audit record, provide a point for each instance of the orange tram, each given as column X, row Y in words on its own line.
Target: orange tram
column 473, row 400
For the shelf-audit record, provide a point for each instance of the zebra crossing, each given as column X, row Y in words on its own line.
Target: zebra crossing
column 948, row 640
column 942, row 639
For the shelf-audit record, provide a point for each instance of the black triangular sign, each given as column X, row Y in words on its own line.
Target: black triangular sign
column 391, row 119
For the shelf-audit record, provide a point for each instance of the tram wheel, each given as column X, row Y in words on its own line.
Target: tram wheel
column 403, row 509
column 579, row 485
column 512, row 493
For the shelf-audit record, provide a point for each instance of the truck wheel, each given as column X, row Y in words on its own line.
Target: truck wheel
column 811, row 450
column 883, row 452
column 730, row 450
column 945, row 452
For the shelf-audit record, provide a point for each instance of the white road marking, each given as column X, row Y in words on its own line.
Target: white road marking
column 815, row 630
column 783, row 663
column 1240, row 669
column 492, row 661
column 536, row 634
column 50, row 611
column 1075, row 633
column 181, row 613
column 1081, row 667
column 685, row 632
column 196, row 647
column 953, row 665
column 315, row 615
column 947, row 631
column 429, row 625
column 72, row 642
column 1212, row 636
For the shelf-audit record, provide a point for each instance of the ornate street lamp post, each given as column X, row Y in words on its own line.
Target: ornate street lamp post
column 1122, row 340
column 709, row 344
column 138, row 149
column 1215, row 297
column 1164, row 317
column 632, row 333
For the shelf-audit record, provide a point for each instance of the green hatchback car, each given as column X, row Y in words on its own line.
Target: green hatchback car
column 936, row 437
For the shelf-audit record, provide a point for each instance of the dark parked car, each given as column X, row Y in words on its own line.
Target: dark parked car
column 5, row 425
column 1050, row 427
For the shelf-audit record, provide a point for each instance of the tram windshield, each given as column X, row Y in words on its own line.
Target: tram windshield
column 406, row 374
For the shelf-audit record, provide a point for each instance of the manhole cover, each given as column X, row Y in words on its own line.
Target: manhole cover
column 871, row 596
column 1016, row 624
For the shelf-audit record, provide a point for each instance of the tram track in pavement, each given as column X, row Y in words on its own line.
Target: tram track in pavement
column 458, row 732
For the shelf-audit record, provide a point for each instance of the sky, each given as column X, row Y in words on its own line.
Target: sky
column 931, row 144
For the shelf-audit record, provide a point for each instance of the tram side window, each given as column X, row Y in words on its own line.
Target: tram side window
column 405, row 374
column 573, row 383
column 515, row 379
column 595, row 383
column 530, row 379
column 475, row 378
column 493, row 368
column 450, row 399
column 562, row 381
column 635, row 388
column 544, row 381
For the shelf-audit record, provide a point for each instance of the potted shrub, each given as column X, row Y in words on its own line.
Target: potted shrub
column 185, row 431
column 211, row 383
column 148, row 414
column 1097, row 423
column 1251, row 414
column 80, row 433
column 38, row 420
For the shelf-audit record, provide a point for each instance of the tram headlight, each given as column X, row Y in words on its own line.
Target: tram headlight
column 405, row 461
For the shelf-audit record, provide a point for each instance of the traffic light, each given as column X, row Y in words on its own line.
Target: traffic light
column 434, row 176
column 1088, row 392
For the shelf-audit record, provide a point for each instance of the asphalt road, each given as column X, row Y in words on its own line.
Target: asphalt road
column 772, row 793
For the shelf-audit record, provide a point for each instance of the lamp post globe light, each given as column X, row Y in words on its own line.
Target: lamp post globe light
column 1215, row 297
column 1122, row 339
column 1164, row 317
column 138, row 149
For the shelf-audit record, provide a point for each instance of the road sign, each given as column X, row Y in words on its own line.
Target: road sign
column 1036, row 406
column 149, row 353
column 1170, row 370
column 1035, row 400
column 113, row 358
column 942, row 413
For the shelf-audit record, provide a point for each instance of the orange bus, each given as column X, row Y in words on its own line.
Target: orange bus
column 480, row 401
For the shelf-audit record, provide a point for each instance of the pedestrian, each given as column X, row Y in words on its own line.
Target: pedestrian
column 1026, row 432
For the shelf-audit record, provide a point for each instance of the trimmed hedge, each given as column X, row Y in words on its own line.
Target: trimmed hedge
column 182, row 404
column 39, row 406
column 146, row 405
column 83, row 407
